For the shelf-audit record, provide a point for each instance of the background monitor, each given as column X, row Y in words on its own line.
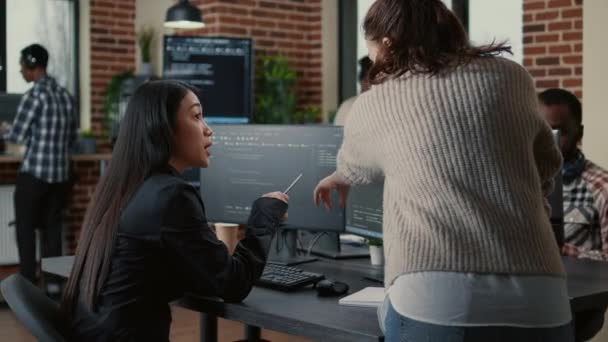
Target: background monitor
column 556, row 201
column 364, row 210
column 9, row 103
column 250, row 160
column 221, row 68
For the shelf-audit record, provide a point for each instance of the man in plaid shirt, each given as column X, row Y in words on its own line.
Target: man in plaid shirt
column 585, row 189
column 46, row 123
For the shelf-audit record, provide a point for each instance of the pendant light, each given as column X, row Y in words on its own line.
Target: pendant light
column 184, row 15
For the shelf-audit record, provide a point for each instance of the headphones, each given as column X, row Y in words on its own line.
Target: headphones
column 29, row 60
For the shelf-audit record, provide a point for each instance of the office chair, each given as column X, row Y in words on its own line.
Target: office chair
column 38, row 313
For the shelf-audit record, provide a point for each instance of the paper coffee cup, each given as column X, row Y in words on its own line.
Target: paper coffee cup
column 228, row 234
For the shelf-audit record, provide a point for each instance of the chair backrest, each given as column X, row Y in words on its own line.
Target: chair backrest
column 38, row 313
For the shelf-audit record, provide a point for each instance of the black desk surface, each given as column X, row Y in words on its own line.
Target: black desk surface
column 303, row 313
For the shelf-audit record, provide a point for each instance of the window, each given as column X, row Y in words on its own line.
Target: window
column 497, row 20
column 54, row 25
column 2, row 45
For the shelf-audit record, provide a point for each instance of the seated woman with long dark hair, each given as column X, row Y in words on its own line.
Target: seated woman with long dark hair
column 145, row 240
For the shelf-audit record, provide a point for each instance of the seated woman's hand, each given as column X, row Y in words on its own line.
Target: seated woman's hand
column 281, row 197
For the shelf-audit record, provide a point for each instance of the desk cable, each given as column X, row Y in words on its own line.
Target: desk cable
column 314, row 241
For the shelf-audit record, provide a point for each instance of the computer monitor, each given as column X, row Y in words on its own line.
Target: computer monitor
column 9, row 103
column 248, row 161
column 364, row 211
column 221, row 68
column 556, row 201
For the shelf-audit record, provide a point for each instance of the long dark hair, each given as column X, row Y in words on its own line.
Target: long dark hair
column 144, row 145
column 425, row 36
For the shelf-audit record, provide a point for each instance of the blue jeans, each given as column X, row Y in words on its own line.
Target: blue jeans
column 399, row 328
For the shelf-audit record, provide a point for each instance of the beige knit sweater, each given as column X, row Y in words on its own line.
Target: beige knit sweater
column 466, row 160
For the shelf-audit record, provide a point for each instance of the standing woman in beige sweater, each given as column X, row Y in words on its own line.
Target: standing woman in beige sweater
column 453, row 132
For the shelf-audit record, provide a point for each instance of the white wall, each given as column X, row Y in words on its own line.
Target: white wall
column 498, row 20
column 85, row 65
column 362, row 7
column 329, row 46
column 595, row 74
column 152, row 14
column 20, row 33
column 48, row 23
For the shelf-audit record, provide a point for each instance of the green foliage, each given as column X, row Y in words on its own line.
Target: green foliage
column 331, row 116
column 144, row 40
column 373, row 242
column 86, row 134
column 275, row 99
column 310, row 114
column 112, row 98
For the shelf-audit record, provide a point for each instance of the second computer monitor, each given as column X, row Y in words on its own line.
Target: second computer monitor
column 556, row 199
column 250, row 160
column 364, row 210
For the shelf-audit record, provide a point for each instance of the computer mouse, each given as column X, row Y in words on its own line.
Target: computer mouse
column 330, row 288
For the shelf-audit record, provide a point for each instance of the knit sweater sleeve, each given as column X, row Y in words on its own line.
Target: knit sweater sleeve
column 359, row 158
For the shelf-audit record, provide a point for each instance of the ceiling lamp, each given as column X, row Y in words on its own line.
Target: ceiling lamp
column 184, row 15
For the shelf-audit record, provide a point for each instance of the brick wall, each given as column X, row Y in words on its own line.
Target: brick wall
column 553, row 43
column 291, row 28
column 112, row 51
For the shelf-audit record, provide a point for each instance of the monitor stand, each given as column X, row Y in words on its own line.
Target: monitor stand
column 329, row 246
column 284, row 251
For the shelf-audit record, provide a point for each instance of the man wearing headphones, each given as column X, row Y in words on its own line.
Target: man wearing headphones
column 585, row 195
column 46, row 123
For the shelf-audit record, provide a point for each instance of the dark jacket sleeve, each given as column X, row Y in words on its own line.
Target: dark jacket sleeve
column 203, row 262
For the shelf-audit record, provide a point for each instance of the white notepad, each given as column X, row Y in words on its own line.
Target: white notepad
column 368, row 297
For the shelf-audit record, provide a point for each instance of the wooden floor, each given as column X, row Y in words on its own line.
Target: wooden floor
column 185, row 328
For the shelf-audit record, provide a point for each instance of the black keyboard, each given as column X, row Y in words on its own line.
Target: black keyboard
column 285, row 278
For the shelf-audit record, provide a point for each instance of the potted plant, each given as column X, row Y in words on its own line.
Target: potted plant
column 376, row 251
column 144, row 39
column 275, row 99
column 111, row 103
column 87, row 143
